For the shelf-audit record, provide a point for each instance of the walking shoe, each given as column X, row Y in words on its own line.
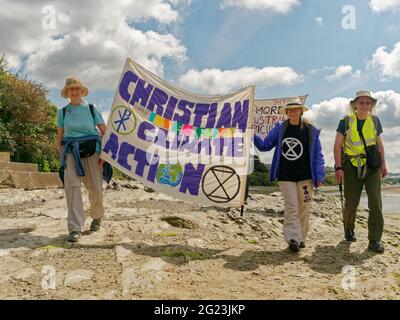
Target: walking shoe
column 376, row 246
column 350, row 235
column 74, row 236
column 302, row 245
column 95, row 225
column 294, row 246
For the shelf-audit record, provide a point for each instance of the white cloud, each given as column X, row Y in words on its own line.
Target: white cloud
column 392, row 28
column 92, row 39
column 384, row 5
column 101, row 57
column 319, row 70
column 326, row 115
column 343, row 71
column 319, row 21
column 277, row 6
column 388, row 63
column 388, row 109
column 216, row 81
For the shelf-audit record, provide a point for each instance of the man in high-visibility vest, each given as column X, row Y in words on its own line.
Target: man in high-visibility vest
column 356, row 132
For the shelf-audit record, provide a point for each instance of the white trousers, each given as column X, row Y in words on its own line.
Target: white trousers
column 93, row 181
column 297, row 197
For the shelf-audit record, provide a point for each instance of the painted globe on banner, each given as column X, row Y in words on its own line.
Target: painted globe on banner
column 169, row 174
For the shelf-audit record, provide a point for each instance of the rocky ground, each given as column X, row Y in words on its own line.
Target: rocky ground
column 152, row 246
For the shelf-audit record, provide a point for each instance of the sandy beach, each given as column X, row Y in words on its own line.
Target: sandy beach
column 152, row 246
column 391, row 189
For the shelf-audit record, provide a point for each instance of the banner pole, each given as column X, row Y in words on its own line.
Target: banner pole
column 246, row 195
column 249, row 126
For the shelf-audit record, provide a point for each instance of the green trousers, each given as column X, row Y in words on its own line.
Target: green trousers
column 353, row 187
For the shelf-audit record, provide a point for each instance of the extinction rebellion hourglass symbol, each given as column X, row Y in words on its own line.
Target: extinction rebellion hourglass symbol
column 292, row 149
column 221, row 184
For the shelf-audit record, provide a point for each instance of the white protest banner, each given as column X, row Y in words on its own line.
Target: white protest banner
column 266, row 114
column 189, row 146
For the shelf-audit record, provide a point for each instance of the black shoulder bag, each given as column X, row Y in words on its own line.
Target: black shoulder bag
column 372, row 153
column 86, row 148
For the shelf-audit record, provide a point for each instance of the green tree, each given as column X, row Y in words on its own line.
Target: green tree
column 260, row 175
column 27, row 120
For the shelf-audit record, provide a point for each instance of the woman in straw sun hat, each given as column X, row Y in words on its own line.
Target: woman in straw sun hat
column 298, row 164
column 360, row 160
column 79, row 146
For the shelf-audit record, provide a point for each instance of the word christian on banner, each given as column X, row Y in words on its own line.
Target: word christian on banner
column 191, row 147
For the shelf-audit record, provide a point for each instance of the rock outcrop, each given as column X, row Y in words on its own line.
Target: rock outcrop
column 25, row 175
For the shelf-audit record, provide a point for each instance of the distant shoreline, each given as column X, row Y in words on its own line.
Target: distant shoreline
column 390, row 195
column 387, row 189
column 394, row 189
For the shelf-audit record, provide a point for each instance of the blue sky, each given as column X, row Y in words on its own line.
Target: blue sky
column 232, row 38
column 284, row 47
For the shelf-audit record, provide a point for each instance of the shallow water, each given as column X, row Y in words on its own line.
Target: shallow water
column 390, row 198
column 391, row 203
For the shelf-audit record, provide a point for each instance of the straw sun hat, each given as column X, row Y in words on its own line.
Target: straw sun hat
column 73, row 83
column 293, row 103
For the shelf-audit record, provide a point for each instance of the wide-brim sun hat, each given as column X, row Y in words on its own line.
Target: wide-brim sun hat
column 73, row 83
column 364, row 93
column 293, row 103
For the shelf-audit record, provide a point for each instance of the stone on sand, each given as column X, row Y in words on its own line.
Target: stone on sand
column 77, row 277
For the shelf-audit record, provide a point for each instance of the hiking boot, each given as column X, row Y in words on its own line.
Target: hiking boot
column 376, row 246
column 350, row 235
column 74, row 236
column 294, row 246
column 95, row 225
column 302, row 245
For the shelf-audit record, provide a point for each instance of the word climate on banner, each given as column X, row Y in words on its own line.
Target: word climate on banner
column 192, row 147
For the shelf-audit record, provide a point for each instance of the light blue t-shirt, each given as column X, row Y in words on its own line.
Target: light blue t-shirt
column 78, row 121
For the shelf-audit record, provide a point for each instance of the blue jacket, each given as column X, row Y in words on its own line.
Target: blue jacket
column 274, row 140
column 73, row 143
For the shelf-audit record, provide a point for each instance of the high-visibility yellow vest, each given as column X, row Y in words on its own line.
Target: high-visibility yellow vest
column 353, row 144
